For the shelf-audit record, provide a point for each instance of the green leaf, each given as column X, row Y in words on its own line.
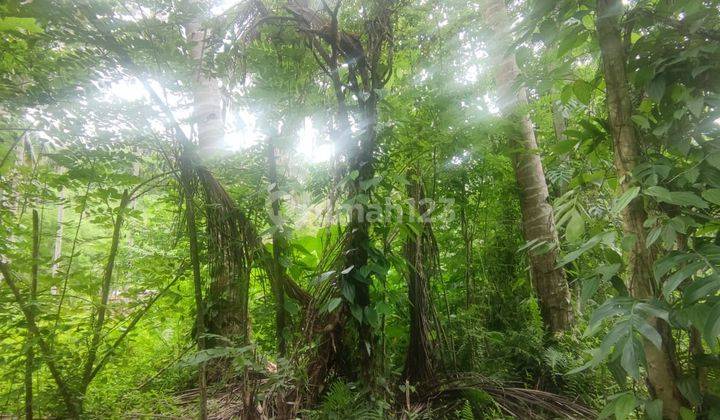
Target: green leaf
column 372, row 317
column 334, row 303
column 701, row 288
column 712, row 195
column 648, row 331
column 680, row 198
column 653, row 308
column 690, row 389
column 589, row 288
column 653, row 409
column 662, row 194
column 629, row 359
column 687, row 414
column 679, row 276
column 348, row 290
column 610, row 308
column 696, row 105
column 625, row 199
column 714, row 159
column 356, row 312
column 575, row 227
column 28, row 25
column 641, row 121
column 711, row 329
column 624, row 405
column 688, row 199
column 591, row 243
column 583, row 91
column 656, row 89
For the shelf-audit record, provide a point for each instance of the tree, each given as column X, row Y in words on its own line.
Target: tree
column 662, row 368
column 538, row 218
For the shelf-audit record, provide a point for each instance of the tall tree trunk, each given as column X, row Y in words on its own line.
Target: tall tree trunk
column 57, row 248
column 207, row 102
column 226, row 302
column 418, row 250
column 279, row 246
column 189, row 192
column 537, row 213
column 661, row 368
column 30, row 352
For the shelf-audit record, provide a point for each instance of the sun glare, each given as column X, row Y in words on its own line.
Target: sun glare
column 309, row 145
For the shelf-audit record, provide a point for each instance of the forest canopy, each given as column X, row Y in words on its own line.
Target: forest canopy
column 277, row 209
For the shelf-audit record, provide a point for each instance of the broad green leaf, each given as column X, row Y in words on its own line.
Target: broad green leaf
column 652, row 308
column 348, row 291
column 687, row 198
column 648, row 331
column 712, row 195
column 356, row 312
column 24, row 24
column 690, row 389
column 372, row 317
column 624, row 406
column 583, row 91
column 653, row 409
column 696, row 105
column 701, row 288
column 575, row 227
column 714, row 159
column 712, row 324
column 656, row 89
column 334, row 303
column 589, row 288
column 679, row 276
column 662, row 194
column 629, row 359
column 641, row 121
column 625, row 199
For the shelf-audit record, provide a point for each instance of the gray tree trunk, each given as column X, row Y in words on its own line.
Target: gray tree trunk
column 207, row 101
column 661, row 366
column 538, row 217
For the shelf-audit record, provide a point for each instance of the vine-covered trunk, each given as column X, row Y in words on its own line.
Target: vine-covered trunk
column 537, row 214
column 661, row 366
column 358, row 240
column 186, row 181
column 30, row 351
column 226, row 308
column 419, row 255
column 279, row 246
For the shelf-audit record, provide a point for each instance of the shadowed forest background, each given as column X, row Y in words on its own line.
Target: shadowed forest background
column 354, row 209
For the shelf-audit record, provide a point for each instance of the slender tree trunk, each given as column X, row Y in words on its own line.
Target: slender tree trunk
column 207, row 102
column 419, row 362
column 99, row 319
column 467, row 246
column 57, row 249
column 537, row 213
column 188, row 190
column 278, row 242
column 72, row 402
column 30, row 352
column 661, row 368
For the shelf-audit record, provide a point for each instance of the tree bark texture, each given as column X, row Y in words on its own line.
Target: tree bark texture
column 279, row 246
column 661, row 368
column 537, row 214
column 207, row 101
column 419, row 252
